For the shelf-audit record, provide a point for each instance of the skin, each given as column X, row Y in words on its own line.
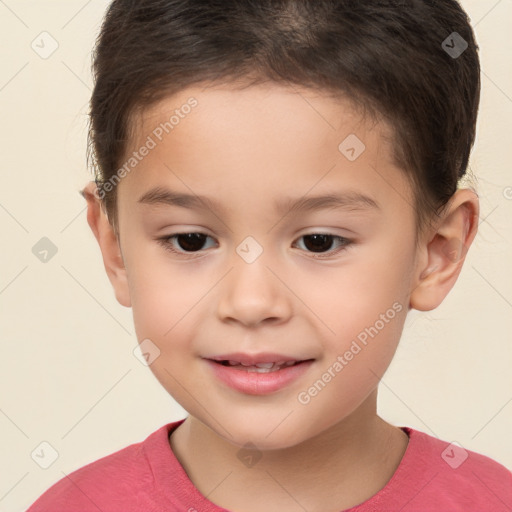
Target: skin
column 246, row 149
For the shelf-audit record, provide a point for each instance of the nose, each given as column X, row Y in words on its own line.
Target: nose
column 254, row 293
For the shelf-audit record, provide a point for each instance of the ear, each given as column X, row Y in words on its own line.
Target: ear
column 108, row 242
column 444, row 251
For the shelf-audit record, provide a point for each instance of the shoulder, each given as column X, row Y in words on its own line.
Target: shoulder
column 452, row 459
column 117, row 482
column 455, row 476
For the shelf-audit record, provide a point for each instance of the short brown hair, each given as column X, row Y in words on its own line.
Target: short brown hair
column 390, row 57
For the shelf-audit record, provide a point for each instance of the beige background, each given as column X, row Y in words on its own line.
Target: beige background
column 68, row 375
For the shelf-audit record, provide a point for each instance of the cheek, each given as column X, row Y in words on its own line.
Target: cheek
column 164, row 311
column 355, row 295
column 364, row 306
column 354, row 361
column 163, row 296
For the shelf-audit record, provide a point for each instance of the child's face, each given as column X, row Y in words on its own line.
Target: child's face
column 247, row 151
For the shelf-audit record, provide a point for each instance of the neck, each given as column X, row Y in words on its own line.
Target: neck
column 341, row 467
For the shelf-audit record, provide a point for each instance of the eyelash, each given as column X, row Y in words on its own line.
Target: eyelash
column 165, row 242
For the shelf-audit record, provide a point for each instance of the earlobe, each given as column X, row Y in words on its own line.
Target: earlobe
column 109, row 244
column 446, row 251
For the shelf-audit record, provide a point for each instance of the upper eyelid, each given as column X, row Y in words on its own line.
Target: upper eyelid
column 309, row 233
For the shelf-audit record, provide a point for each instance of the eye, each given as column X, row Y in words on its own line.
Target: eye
column 191, row 243
column 318, row 242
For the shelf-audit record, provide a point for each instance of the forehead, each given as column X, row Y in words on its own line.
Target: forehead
column 264, row 138
column 263, row 108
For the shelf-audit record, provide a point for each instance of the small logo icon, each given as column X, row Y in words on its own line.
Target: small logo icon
column 45, row 455
column 352, row 147
column 44, row 45
column 249, row 455
column 146, row 352
column 454, row 45
column 454, row 455
column 249, row 250
column 44, row 250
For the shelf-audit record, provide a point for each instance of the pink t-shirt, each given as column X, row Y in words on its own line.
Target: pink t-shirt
column 146, row 477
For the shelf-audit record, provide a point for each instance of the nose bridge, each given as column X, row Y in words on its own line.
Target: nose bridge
column 251, row 292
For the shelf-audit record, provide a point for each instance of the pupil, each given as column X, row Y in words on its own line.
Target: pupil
column 192, row 241
column 319, row 242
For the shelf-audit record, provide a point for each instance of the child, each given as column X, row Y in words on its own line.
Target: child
column 312, row 149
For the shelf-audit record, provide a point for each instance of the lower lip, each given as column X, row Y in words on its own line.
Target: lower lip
column 254, row 383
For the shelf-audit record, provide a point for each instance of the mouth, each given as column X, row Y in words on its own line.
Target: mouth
column 259, row 367
column 258, row 374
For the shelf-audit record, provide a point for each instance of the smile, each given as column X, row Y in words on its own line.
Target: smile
column 257, row 378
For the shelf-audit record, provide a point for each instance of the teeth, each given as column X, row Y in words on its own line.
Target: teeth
column 265, row 365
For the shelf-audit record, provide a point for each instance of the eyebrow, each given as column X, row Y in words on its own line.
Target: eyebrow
column 349, row 200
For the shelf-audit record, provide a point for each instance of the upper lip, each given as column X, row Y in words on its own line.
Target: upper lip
column 251, row 359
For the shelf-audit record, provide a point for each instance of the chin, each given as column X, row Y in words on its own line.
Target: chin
column 262, row 442
column 262, row 435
